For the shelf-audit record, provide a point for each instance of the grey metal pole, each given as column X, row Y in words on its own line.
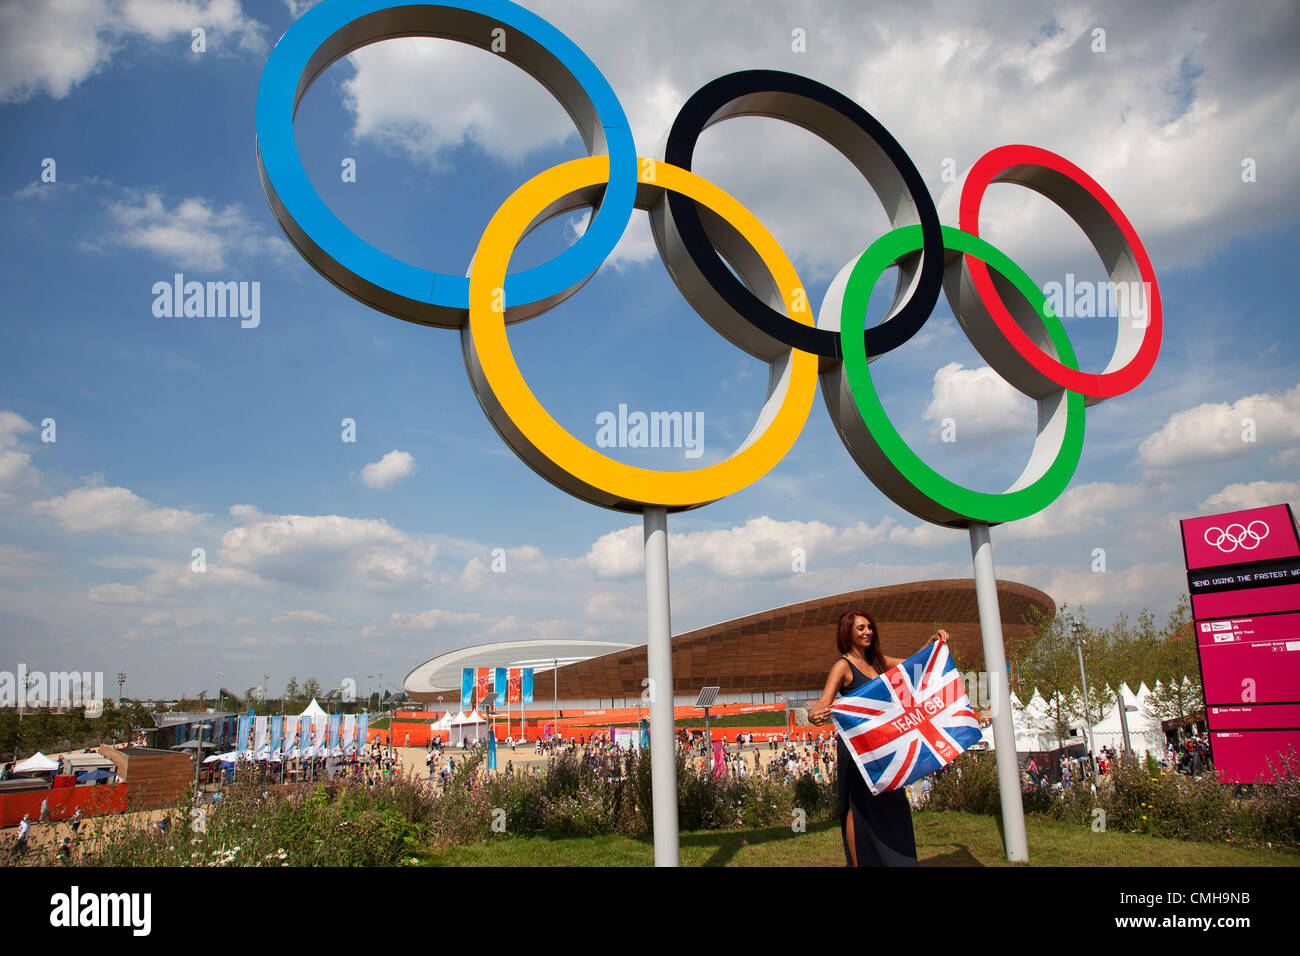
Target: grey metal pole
column 995, row 663
column 663, row 754
column 1123, row 719
column 1075, row 626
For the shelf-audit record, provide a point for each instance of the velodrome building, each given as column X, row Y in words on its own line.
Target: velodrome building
column 769, row 657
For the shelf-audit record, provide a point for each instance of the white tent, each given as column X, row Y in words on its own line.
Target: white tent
column 313, row 710
column 1144, row 731
column 37, row 763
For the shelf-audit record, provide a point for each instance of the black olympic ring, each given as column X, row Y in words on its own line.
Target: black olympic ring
column 861, row 139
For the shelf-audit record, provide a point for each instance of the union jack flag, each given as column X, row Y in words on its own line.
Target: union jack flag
column 909, row 721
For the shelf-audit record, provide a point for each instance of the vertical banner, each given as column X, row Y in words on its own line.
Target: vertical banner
column 334, row 734
column 499, row 684
column 304, row 736
column 645, row 734
column 318, row 728
column 363, row 727
column 259, row 733
column 276, row 722
column 466, row 688
column 481, row 685
column 290, row 735
column 512, row 684
column 492, row 750
column 349, row 732
column 526, row 685
column 719, row 761
column 244, row 723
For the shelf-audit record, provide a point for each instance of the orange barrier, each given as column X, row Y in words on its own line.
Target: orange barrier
column 93, row 799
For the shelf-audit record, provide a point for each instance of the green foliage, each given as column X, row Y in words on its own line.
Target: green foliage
column 1139, row 797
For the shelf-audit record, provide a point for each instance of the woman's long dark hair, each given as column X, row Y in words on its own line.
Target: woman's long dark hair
column 844, row 639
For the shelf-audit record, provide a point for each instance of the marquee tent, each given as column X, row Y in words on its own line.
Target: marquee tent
column 37, row 763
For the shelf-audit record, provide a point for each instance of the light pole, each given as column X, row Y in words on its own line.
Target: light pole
column 121, row 679
column 1076, row 627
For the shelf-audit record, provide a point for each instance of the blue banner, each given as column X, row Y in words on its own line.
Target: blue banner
column 466, row 687
column 526, row 685
column 245, row 724
column 363, row 726
column 332, row 742
column 276, row 723
column 304, row 735
column 500, row 683
column 492, row 750
column 645, row 734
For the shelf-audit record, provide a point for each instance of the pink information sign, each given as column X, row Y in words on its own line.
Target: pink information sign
column 1243, row 756
column 1253, row 717
column 1240, row 537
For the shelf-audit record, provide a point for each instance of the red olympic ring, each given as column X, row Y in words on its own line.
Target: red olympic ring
column 1083, row 200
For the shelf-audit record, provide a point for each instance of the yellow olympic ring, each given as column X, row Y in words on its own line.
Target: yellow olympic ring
column 537, row 437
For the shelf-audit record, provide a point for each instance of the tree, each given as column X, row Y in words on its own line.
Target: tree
column 1051, row 665
column 311, row 689
column 1177, row 667
column 291, row 689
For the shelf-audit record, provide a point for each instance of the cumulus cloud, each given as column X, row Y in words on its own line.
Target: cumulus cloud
column 1255, row 494
column 980, row 403
column 759, row 547
column 95, row 507
column 1218, row 430
column 51, row 46
column 302, row 617
column 16, row 471
column 193, row 234
column 392, row 467
column 322, row 551
column 1090, row 505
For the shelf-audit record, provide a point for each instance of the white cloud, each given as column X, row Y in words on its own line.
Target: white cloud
column 16, row 470
column 760, row 547
column 117, row 594
column 1141, row 585
column 1218, row 430
column 1256, row 494
column 1091, row 505
column 393, row 466
column 193, row 234
column 980, row 403
column 302, row 617
column 95, row 507
column 51, row 46
column 323, row 551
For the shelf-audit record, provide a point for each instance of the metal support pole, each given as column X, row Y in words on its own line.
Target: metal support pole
column 1075, row 627
column 659, row 654
column 1123, row 720
column 995, row 663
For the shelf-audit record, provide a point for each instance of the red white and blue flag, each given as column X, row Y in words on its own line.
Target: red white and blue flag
column 909, row 721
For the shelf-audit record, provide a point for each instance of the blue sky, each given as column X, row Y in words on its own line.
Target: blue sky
column 180, row 433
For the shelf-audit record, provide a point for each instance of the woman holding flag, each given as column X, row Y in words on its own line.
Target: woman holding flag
column 877, row 830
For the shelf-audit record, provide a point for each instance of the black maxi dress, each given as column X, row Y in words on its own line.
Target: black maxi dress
column 882, row 825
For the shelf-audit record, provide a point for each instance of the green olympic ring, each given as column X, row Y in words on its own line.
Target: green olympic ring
column 890, row 462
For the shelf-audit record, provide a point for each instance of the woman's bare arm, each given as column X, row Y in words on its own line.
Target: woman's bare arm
column 834, row 681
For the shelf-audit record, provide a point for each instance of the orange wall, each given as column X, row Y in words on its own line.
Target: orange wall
column 93, row 799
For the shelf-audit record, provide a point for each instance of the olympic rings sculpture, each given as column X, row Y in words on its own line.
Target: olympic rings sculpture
column 700, row 230
column 1246, row 538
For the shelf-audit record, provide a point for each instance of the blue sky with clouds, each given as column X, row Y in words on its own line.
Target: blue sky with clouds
column 340, row 559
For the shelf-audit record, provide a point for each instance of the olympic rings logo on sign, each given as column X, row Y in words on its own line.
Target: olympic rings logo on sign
column 701, row 231
column 1246, row 538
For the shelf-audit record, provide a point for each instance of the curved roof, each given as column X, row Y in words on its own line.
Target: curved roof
column 786, row 648
column 442, row 673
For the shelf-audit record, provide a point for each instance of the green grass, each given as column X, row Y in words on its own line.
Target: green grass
column 942, row 839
